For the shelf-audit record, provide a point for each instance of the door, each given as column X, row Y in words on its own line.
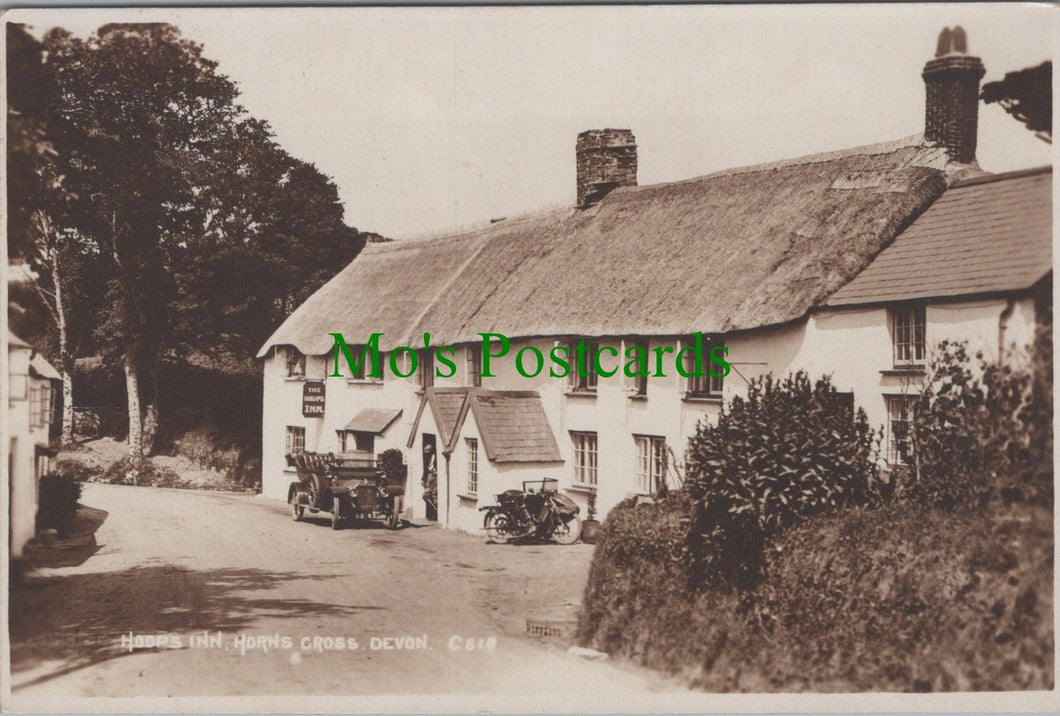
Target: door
column 430, row 475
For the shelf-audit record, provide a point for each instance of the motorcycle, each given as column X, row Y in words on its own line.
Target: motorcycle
column 536, row 512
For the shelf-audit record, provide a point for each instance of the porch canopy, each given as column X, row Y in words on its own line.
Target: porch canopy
column 374, row 421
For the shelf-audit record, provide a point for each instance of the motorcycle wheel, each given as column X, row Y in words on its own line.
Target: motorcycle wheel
column 569, row 532
column 498, row 528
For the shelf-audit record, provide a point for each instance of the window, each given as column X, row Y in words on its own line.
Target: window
column 295, row 363
column 295, row 442
column 472, row 466
column 45, row 405
column 639, row 385
column 899, row 424
column 706, row 385
column 474, row 365
column 651, row 463
column 426, row 369
column 584, row 458
column 350, row 441
column 34, row 407
column 909, row 335
column 576, row 381
column 40, row 406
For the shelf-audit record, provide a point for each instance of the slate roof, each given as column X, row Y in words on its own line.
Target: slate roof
column 513, row 426
column 738, row 249
column 984, row 235
column 512, row 423
column 373, row 420
column 446, row 405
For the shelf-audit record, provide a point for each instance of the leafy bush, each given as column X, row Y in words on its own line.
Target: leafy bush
column 640, row 567
column 982, row 432
column 57, row 506
column 790, row 448
column 216, row 447
column 897, row 598
column 143, row 473
column 76, row 470
column 392, row 463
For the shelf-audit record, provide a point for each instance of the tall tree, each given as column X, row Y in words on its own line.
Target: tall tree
column 136, row 110
column 211, row 233
column 40, row 204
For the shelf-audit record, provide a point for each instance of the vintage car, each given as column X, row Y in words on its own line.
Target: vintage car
column 351, row 486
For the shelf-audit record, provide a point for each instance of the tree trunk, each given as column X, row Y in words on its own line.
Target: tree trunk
column 68, row 400
column 132, row 387
column 66, row 358
column 150, row 430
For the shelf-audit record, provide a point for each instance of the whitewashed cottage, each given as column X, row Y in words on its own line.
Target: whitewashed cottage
column 31, row 389
column 851, row 263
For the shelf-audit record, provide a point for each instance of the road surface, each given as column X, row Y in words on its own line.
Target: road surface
column 195, row 593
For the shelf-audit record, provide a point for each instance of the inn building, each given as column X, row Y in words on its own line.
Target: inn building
column 852, row 263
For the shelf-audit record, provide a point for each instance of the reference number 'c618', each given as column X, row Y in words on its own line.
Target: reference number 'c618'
column 459, row 643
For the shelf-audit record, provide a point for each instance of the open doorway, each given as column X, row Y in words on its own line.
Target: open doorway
column 430, row 475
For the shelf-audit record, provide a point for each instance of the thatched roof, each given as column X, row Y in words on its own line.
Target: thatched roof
column 739, row 249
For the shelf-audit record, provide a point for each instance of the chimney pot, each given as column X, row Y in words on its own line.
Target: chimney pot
column 951, row 109
column 606, row 159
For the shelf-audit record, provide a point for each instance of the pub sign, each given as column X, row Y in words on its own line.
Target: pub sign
column 313, row 399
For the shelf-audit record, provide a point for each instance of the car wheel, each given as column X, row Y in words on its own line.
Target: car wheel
column 336, row 513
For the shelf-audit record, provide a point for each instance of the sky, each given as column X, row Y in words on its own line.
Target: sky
column 433, row 119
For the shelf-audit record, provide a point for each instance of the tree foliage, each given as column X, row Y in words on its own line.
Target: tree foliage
column 200, row 232
column 1027, row 95
column 984, row 429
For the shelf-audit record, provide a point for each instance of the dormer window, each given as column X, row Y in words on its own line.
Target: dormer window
column 909, row 329
column 474, row 365
column 576, row 382
column 426, row 367
column 295, row 363
column 705, row 385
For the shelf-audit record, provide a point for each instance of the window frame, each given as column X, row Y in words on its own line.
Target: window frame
column 706, row 385
column 909, row 337
column 585, row 458
column 638, row 387
column 46, row 404
column 649, row 466
column 577, row 383
column 291, row 435
column 295, row 361
column 471, row 486
column 34, row 406
column 474, row 366
column 425, row 370
column 895, row 444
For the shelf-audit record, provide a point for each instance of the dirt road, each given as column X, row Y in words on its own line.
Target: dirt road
column 253, row 603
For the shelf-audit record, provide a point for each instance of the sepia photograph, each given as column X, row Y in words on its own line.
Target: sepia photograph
column 528, row 358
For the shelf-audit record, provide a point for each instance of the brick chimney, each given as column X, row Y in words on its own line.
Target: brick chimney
column 952, row 106
column 606, row 159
